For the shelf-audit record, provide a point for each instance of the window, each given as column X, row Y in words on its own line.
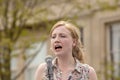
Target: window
column 40, row 49
column 115, row 47
column 30, row 71
column 14, row 67
column 81, row 35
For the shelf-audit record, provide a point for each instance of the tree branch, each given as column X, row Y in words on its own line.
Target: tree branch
column 28, row 63
column 5, row 17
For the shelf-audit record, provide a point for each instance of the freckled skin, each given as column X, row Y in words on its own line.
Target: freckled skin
column 61, row 36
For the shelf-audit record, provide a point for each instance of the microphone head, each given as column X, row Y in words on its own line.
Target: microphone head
column 48, row 59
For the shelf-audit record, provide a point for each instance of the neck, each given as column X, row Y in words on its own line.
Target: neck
column 66, row 63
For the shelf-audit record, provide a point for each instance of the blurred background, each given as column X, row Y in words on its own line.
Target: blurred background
column 24, row 34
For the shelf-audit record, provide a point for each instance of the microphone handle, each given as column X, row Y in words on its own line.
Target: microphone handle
column 50, row 73
column 49, row 67
column 50, row 70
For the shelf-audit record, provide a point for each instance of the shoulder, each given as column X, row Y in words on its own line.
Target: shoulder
column 92, row 74
column 40, row 71
column 41, row 66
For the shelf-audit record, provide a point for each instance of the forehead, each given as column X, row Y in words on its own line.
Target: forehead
column 61, row 29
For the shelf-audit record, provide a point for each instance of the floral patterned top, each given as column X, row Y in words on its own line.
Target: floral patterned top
column 81, row 72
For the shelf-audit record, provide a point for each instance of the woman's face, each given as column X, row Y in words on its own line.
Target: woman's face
column 61, row 41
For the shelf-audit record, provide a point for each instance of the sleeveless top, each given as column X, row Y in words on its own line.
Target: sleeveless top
column 80, row 72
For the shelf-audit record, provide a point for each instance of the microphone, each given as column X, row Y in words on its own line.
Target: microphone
column 70, row 77
column 48, row 60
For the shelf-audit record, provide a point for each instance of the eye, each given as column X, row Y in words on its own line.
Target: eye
column 53, row 36
column 63, row 36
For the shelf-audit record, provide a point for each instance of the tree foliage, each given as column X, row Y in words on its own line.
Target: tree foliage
column 14, row 17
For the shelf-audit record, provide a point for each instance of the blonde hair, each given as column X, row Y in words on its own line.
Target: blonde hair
column 77, row 51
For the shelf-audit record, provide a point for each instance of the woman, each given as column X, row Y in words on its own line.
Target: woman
column 69, row 63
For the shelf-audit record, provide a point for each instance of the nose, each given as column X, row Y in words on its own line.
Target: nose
column 57, row 39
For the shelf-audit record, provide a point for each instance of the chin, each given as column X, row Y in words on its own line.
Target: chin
column 58, row 53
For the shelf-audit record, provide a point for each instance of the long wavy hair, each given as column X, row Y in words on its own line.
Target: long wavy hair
column 77, row 51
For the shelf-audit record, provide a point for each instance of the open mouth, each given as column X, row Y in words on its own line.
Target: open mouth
column 58, row 47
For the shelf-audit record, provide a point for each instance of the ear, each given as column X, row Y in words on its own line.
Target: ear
column 74, row 42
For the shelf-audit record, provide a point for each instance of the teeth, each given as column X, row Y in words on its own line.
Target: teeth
column 58, row 46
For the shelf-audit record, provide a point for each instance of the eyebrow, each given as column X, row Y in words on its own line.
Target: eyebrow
column 60, row 33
